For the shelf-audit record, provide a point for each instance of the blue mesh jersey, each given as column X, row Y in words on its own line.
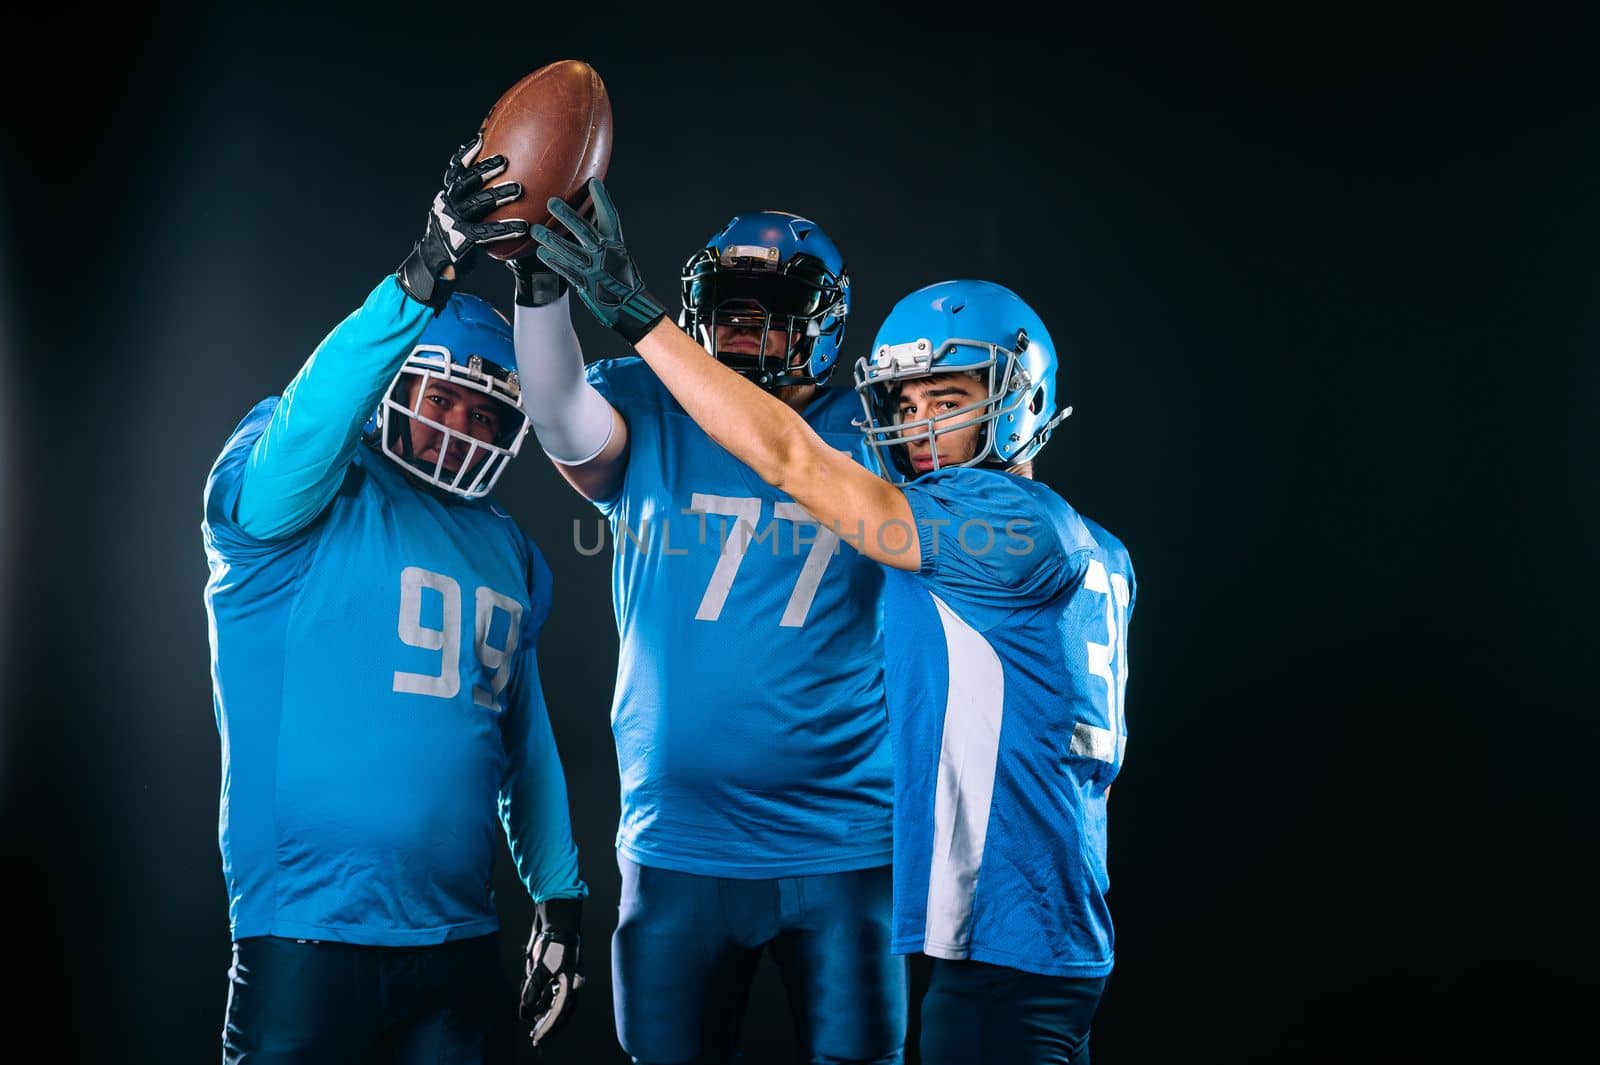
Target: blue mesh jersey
column 1007, row 667
column 378, row 698
column 751, row 733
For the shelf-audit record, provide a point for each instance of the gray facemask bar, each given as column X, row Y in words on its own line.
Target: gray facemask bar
column 793, row 366
column 893, row 363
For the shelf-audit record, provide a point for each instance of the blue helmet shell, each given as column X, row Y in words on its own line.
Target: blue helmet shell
column 469, row 325
column 975, row 327
column 774, row 271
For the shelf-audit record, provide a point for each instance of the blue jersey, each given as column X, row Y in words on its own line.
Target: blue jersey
column 749, row 717
column 377, row 690
column 1007, row 666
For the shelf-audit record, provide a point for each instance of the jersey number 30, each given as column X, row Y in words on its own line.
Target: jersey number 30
column 446, row 639
column 1109, row 662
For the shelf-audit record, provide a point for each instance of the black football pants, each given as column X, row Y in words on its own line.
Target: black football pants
column 310, row 1002
column 978, row 1014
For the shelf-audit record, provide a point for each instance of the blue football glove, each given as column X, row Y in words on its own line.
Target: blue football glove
column 454, row 231
column 554, row 967
column 598, row 266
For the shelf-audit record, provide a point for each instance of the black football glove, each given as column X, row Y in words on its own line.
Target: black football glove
column 537, row 285
column 454, row 230
column 554, row 967
column 597, row 265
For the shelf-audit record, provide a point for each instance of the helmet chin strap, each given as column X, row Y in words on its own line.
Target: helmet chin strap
column 754, row 367
column 770, row 381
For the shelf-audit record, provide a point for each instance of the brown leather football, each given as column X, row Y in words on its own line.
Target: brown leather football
column 554, row 128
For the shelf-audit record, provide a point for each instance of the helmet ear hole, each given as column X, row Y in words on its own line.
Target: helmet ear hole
column 1036, row 401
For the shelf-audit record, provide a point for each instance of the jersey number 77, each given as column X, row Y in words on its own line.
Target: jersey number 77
column 746, row 512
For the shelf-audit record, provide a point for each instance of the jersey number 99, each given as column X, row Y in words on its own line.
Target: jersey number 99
column 446, row 639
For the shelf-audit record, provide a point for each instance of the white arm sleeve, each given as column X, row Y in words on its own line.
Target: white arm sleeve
column 572, row 421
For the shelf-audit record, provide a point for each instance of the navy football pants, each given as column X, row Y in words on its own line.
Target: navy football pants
column 315, row 1002
column 685, row 952
column 978, row 1014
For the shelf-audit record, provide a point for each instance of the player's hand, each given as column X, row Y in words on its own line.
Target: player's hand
column 598, row 266
column 554, row 967
column 537, row 284
column 454, row 229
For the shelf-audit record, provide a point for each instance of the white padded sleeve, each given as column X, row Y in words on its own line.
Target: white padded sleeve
column 572, row 421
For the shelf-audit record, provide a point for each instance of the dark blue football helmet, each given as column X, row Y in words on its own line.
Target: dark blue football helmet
column 765, row 273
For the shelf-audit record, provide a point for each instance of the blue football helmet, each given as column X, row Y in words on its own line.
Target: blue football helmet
column 775, row 272
column 972, row 327
column 469, row 345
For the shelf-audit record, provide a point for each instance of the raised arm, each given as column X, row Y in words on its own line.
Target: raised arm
column 757, row 428
column 767, row 435
column 295, row 467
column 585, row 436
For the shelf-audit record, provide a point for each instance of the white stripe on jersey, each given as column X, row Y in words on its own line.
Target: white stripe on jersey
column 1092, row 741
column 967, row 754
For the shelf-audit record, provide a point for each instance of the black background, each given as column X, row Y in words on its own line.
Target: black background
column 1325, row 284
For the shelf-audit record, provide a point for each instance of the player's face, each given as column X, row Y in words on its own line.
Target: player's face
column 746, row 340
column 937, row 397
column 468, row 412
